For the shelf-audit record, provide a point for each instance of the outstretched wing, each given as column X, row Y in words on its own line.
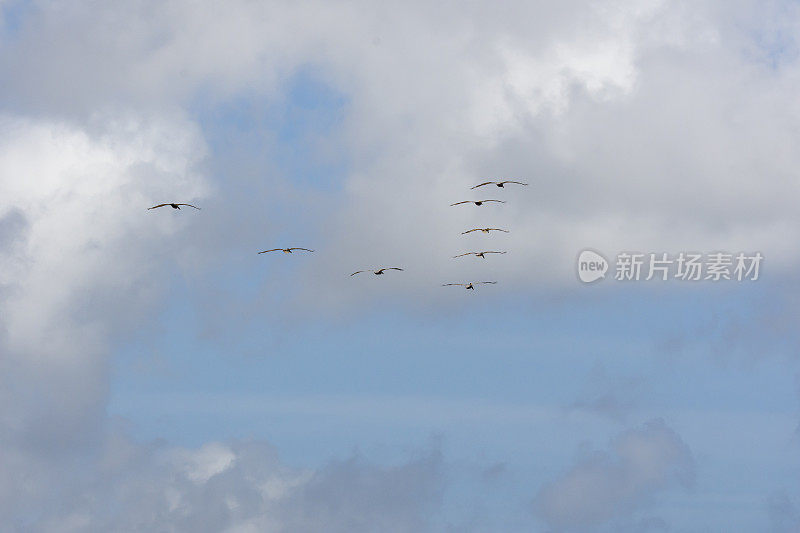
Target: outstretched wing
column 482, row 184
column 511, row 181
column 498, row 229
column 357, row 272
column 157, row 206
column 490, row 282
column 273, row 250
column 470, row 231
column 306, row 249
column 462, row 255
column 190, row 205
column 493, row 252
column 450, row 284
column 501, row 201
column 459, row 203
column 391, row 268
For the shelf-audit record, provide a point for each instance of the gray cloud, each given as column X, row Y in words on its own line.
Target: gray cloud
column 608, row 395
column 659, row 126
column 608, row 487
column 242, row 486
column 756, row 325
column 78, row 272
column 635, row 122
column 783, row 514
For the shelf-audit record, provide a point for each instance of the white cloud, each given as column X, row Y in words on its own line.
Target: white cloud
column 205, row 463
column 81, row 205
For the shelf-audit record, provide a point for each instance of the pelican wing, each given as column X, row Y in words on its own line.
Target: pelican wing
column 358, row 272
column 462, row 255
column 157, row 206
column 493, row 252
column 190, row 205
column 273, row 250
column 391, row 268
column 470, row 231
column 498, row 229
column 459, row 203
column 501, row 201
column 306, row 249
column 450, row 284
column 484, row 183
column 512, row 181
column 490, row 282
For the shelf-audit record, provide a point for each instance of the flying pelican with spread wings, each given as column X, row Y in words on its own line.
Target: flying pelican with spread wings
column 285, row 250
column 478, row 254
column 469, row 286
column 498, row 183
column 376, row 272
column 477, row 202
column 173, row 206
column 485, row 230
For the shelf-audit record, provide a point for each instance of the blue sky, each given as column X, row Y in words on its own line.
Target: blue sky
column 492, row 381
column 159, row 374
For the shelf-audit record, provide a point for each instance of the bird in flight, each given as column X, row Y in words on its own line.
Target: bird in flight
column 376, row 272
column 469, row 286
column 173, row 206
column 478, row 254
column 477, row 202
column 498, row 183
column 285, row 250
column 485, row 230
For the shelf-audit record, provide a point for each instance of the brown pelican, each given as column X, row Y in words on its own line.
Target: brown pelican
column 173, row 206
column 376, row 272
column 498, row 183
column 469, row 286
column 477, row 202
column 478, row 254
column 285, row 250
column 485, row 230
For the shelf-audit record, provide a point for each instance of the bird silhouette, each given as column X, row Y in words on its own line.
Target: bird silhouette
column 173, row 206
column 498, row 183
column 285, row 250
column 477, row 254
column 469, row 286
column 376, row 272
column 477, row 202
column 485, row 230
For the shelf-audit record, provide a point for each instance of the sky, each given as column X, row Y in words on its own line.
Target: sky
column 158, row 374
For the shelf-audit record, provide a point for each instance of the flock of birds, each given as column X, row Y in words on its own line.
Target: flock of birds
column 380, row 271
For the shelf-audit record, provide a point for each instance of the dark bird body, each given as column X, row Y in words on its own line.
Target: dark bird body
column 378, row 272
column 285, row 250
column 173, row 206
column 469, row 286
column 477, row 202
column 498, row 183
column 477, row 254
column 485, row 230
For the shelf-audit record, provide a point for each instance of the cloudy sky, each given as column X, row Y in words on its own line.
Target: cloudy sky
column 157, row 374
